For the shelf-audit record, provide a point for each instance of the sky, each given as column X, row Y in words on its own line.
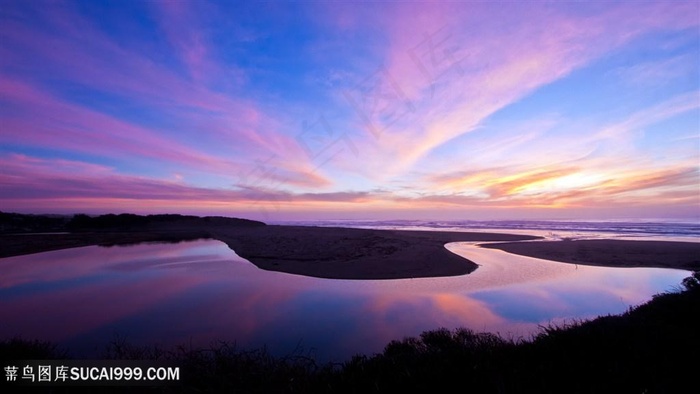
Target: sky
column 336, row 110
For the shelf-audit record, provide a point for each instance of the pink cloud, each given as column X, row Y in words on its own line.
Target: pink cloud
column 78, row 51
column 53, row 123
column 184, row 29
column 45, row 121
column 27, row 181
column 451, row 66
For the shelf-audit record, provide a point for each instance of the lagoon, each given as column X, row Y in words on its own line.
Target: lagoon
column 200, row 292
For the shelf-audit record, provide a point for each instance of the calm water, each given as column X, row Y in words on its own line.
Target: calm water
column 198, row 292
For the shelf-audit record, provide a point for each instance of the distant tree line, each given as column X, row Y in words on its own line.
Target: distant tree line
column 23, row 223
column 125, row 220
column 81, row 222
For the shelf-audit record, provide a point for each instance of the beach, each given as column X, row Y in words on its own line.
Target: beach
column 351, row 253
column 337, row 253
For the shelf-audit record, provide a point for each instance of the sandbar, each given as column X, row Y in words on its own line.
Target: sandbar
column 351, row 253
column 611, row 252
column 324, row 252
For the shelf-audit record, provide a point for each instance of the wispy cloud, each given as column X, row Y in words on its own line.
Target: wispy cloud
column 441, row 81
column 664, row 110
column 657, row 72
column 319, row 109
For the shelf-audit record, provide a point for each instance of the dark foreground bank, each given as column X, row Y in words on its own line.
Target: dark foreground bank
column 652, row 348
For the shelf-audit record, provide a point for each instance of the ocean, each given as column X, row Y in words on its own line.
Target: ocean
column 677, row 230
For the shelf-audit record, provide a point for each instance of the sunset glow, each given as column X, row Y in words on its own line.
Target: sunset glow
column 328, row 110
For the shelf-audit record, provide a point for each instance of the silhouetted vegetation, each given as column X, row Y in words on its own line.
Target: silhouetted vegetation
column 21, row 349
column 17, row 223
column 21, row 223
column 652, row 348
column 130, row 221
column 57, row 232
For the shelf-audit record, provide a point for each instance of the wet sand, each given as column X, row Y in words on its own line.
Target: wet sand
column 347, row 253
column 339, row 253
column 611, row 253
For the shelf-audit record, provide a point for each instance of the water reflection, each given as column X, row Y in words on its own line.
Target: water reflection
column 198, row 292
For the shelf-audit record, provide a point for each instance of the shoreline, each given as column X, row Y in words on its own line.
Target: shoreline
column 350, row 253
column 323, row 252
column 353, row 253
